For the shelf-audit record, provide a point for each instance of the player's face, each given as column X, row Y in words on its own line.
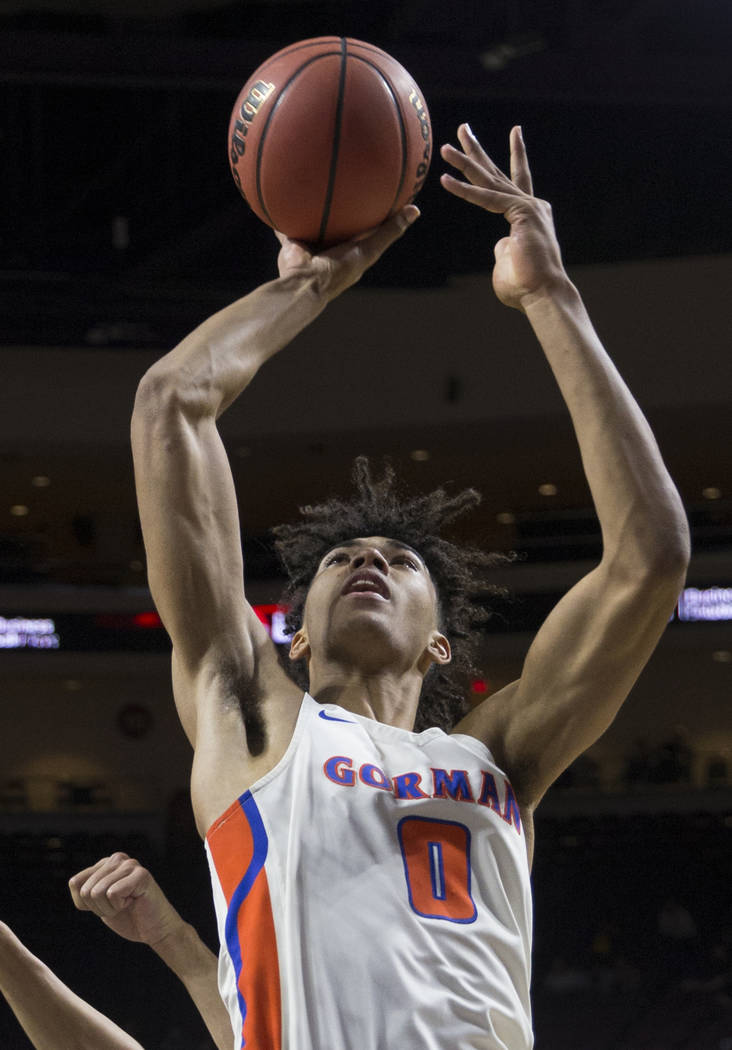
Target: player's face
column 372, row 593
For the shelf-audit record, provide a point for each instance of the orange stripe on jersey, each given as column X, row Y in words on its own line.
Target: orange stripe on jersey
column 238, row 845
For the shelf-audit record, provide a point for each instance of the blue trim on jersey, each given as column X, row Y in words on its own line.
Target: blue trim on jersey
column 332, row 718
column 260, row 842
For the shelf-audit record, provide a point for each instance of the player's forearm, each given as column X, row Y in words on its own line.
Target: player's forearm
column 196, row 966
column 640, row 512
column 217, row 361
column 51, row 1015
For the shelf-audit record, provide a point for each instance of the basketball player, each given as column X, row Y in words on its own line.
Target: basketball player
column 129, row 901
column 372, row 884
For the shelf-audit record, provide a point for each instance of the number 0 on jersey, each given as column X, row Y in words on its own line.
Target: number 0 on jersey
column 436, row 855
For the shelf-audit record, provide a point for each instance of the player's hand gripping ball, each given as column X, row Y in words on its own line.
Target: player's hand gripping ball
column 328, row 138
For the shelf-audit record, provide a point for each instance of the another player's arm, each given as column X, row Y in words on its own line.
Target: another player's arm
column 130, row 902
column 50, row 1014
column 189, row 513
column 592, row 647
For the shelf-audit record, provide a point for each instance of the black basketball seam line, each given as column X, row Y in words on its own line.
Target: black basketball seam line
column 372, row 48
column 336, row 145
column 402, row 125
column 321, row 41
column 268, row 121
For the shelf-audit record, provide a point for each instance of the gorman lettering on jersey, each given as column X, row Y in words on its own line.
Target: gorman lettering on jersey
column 454, row 784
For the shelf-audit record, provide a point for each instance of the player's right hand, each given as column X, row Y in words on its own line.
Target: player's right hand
column 126, row 898
column 342, row 265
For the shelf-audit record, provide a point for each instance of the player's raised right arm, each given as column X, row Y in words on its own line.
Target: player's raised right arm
column 185, row 490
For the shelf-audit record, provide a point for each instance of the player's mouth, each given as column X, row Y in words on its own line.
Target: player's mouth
column 368, row 584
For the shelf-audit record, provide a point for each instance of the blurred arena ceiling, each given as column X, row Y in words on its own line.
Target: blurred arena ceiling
column 116, row 186
column 113, row 116
column 122, row 228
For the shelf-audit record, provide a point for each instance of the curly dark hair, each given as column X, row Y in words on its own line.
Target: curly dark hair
column 458, row 573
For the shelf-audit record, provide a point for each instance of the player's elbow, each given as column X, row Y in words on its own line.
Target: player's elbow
column 650, row 560
column 653, row 545
column 668, row 553
column 655, row 573
column 665, row 572
column 676, row 552
column 165, row 393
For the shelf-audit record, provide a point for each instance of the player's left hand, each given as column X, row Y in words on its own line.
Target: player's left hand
column 126, row 898
column 528, row 261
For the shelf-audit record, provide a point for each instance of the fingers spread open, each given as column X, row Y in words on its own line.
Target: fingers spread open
column 491, row 200
column 470, row 167
column 473, row 148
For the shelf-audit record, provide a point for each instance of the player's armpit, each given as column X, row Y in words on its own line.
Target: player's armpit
column 580, row 668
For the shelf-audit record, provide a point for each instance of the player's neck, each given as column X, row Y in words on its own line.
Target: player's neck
column 386, row 697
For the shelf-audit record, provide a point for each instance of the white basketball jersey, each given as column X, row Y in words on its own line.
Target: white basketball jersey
column 372, row 893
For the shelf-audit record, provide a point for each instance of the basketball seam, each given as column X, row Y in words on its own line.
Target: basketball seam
column 336, row 144
column 320, row 40
column 369, row 47
column 268, row 121
column 402, row 125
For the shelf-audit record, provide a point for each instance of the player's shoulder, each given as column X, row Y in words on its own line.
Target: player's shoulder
column 487, row 720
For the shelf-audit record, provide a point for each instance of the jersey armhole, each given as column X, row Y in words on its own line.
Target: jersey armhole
column 279, row 767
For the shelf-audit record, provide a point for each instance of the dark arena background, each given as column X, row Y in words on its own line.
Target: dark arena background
column 121, row 229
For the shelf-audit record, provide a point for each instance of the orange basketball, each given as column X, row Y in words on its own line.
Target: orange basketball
column 328, row 138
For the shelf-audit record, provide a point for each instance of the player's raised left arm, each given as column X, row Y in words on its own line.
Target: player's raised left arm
column 592, row 647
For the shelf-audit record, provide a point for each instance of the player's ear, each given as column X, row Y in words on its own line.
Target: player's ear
column 299, row 646
column 438, row 650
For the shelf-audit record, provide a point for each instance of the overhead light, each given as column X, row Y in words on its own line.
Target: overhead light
column 496, row 58
column 420, row 455
column 722, row 656
column 40, row 481
column 548, row 489
column 712, row 492
column 506, row 517
column 120, row 232
column 19, row 510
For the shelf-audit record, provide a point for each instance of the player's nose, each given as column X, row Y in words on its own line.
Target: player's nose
column 370, row 558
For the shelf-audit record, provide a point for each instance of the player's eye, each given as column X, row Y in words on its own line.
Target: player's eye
column 335, row 558
column 405, row 559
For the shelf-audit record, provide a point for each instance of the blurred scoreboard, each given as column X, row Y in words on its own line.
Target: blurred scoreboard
column 107, row 632
column 143, row 631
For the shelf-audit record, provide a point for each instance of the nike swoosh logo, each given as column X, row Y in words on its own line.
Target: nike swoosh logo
column 332, row 718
